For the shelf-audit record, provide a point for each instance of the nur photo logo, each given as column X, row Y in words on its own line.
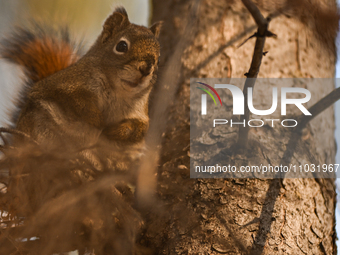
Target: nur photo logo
column 288, row 96
column 238, row 99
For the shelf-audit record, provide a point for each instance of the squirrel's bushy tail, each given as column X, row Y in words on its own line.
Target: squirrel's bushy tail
column 41, row 51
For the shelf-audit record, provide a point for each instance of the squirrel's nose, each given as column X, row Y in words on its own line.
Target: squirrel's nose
column 145, row 69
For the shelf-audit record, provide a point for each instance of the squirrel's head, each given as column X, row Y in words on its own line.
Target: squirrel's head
column 129, row 53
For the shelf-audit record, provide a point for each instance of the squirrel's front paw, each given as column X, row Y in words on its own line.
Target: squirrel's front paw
column 125, row 130
column 129, row 130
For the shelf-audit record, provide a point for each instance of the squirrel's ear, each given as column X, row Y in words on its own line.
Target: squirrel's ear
column 113, row 23
column 156, row 28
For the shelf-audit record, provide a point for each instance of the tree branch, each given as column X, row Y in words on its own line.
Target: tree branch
column 319, row 107
column 254, row 69
column 255, row 12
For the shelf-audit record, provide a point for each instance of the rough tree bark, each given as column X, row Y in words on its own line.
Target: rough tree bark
column 248, row 216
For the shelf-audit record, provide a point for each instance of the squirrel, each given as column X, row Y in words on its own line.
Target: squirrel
column 76, row 100
column 95, row 106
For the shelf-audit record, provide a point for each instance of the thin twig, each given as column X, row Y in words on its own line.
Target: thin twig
column 319, row 107
column 246, row 40
column 254, row 69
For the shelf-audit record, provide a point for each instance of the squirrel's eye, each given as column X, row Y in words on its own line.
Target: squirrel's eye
column 122, row 47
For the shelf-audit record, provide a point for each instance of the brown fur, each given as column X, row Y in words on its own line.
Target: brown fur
column 102, row 95
column 89, row 118
column 41, row 50
column 56, row 56
column 132, row 130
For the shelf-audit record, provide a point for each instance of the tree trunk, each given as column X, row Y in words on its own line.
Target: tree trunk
column 247, row 216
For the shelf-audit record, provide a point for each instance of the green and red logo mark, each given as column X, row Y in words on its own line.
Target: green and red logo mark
column 204, row 97
column 208, row 86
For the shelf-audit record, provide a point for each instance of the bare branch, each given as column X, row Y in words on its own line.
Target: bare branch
column 261, row 34
column 319, row 107
column 255, row 12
